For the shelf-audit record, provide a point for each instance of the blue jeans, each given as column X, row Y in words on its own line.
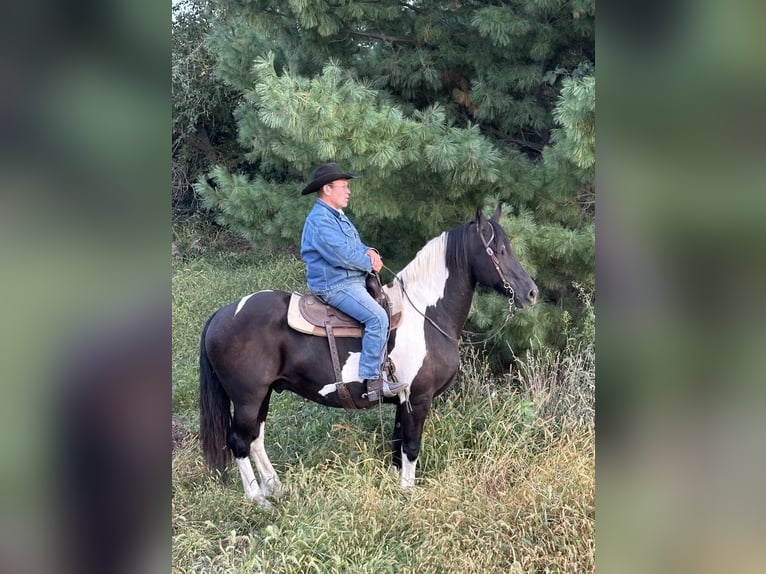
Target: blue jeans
column 352, row 298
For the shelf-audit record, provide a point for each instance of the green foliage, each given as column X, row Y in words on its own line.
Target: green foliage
column 195, row 89
column 576, row 113
column 441, row 107
column 257, row 208
column 203, row 129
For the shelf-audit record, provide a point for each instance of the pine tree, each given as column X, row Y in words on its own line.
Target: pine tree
column 441, row 106
column 203, row 128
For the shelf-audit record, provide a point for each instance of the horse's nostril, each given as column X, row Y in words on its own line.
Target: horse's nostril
column 533, row 294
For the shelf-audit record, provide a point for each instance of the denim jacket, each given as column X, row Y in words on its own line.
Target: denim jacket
column 331, row 249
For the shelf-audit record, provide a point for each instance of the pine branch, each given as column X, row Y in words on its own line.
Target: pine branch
column 523, row 143
column 387, row 38
column 501, row 135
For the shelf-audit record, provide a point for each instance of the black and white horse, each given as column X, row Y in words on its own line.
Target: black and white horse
column 248, row 350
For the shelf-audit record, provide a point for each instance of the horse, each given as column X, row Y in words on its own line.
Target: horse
column 248, row 350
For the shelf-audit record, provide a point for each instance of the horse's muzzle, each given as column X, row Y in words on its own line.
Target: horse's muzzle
column 527, row 297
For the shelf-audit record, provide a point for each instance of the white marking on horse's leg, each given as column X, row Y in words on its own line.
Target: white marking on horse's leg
column 327, row 389
column 269, row 479
column 242, row 303
column 250, row 483
column 408, row 471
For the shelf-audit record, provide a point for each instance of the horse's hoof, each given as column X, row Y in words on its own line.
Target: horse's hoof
column 274, row 490
column 262, row 502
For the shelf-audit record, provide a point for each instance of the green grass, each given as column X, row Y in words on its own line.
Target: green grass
column 505, row 477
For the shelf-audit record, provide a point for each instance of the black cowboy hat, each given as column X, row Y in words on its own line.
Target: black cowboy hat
column 324, row 174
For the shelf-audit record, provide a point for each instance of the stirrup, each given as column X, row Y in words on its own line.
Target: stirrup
column 393, row 388
column 382, row 387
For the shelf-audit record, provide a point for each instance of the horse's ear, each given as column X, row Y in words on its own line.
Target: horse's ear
column 498, row 212
column 479, row 216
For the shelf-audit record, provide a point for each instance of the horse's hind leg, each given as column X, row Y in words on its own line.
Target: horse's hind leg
column 244, row 429
column 270, row 483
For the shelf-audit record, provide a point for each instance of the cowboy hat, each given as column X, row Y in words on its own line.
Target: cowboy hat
column 324, row 174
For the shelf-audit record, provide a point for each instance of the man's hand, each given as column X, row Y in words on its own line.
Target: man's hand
column 377, row 262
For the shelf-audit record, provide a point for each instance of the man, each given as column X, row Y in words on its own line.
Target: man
column 337, row 263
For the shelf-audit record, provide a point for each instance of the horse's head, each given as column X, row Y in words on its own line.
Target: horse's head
column 493, row 262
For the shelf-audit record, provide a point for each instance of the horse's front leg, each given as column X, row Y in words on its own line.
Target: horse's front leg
column 408, row 432
column 396, row 440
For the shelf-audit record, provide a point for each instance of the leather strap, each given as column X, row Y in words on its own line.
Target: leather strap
column 333, row 352
column 345, row 397
column 340, row 386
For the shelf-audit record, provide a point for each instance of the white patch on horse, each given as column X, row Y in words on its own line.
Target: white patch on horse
column 425, row 279
column 327, row 389
column 349, row 372
column 242, row 303
column 244, row 299
column 408, row 471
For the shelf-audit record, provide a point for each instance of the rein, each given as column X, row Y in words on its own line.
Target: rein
column 506, row 286
column 442, row 331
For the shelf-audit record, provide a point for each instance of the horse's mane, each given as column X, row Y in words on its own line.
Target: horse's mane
column 428, row 262
column 438, row 257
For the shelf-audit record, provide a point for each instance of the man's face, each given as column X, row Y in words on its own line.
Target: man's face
column 336, row 193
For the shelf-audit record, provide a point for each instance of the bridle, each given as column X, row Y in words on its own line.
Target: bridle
column 496, row 263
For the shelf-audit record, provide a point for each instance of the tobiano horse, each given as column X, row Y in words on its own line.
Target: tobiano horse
column 248, row 350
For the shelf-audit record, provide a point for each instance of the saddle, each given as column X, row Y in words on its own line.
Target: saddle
column 311, row 315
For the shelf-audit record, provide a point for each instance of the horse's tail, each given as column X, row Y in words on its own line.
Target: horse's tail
column 214, row 411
